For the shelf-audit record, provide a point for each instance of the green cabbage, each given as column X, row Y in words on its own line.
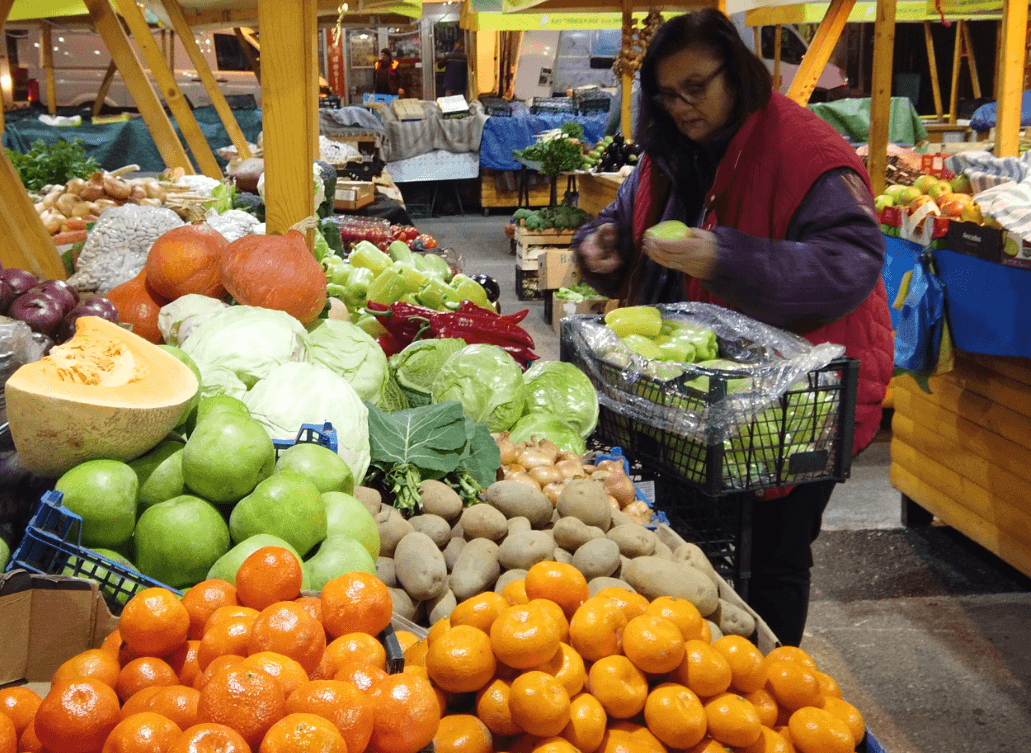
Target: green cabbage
column 305, row 393
column 349, row 351
column 563, row 391
column 543, row 425
column 248, row 341
column 178, row 319
column 417, row 365
column 488, row 383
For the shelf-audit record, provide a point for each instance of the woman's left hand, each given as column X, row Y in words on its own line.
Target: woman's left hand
column 694, row 256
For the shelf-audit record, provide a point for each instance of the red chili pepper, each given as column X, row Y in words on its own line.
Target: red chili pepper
column 405, row 321
column 391, row 345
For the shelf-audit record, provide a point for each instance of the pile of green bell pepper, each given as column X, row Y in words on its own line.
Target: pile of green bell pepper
column 649, row 335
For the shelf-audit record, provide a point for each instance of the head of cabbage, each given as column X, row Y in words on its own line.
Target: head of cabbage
column 348, row 350
column 561, row 390
column 543, row 425
column 488, row 383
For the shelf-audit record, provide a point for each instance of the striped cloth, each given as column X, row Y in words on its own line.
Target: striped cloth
column 1002, row 187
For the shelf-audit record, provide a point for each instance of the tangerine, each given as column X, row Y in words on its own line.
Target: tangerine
column 555, row 612
column 557, row 582
column 567, row 666
column 228, row 612
column 356, row 603
column 228, row 636
column 94, row 662
column 145, row 672
column 462, row 733
column 312, row 605
column 769, row 742
column 415, row 655
column 343, row 704
column 146, row 732
column 515, row 592
column 479, row 611
column 596, row 630
column 708, row 745
column 210, row 738
column 626, row 737
column 539, row 704
column 704, row 669
column 287, row 629
column 791, row 653
column 363, row 676
column 587, row 720
column 177, row 702
column 154, row 622
column 76, row 716
column 406, row 639
column 185, row 662
column 829, row 687
column 814, row 730
column 732, row 720
column 288, row 672
column 203, row 599
column 554, row 745
column 632, row 604
column 747, row 669
column 765, row 706
column 620, row 686
column 19, row 705
column 681, row 613
column 654, row 644
column 493, row 709
column 8, row 735
column 675, row 715
column 28, row 742
column 217, row 665
column 356, row 647
column 847, row 713
column 268, row 575
column 140, row 700
column 248, row 700
column 113, row 643
column 793, row 684
column 525, row 636
column 461, row 660
column 405, row 714
column 303, row 732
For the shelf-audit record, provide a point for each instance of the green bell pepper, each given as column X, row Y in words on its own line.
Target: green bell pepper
column 435, row 265
column 370, row 324
column 365, row 254
column 399, row 251
column 469, row 290
column 412, row 278
column 635, row 320
column 434, row 294
column 679, row 351
column 337, row 270
column 388, row 286
column 643, row 346
column 702, row 338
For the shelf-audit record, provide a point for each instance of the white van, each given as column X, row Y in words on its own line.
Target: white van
column 792, row 49
column 81, row 60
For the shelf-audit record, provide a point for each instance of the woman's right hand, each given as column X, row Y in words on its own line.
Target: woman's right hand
column 599, row 252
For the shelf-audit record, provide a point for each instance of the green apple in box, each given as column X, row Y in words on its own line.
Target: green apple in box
column 286, row 505
column 347, row 516
column 177, row 541
column 337, row 555
column 103, row 493
column 320, row 465
column 160, row 473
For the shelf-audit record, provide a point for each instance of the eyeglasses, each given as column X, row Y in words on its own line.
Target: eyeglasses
column 690, row 94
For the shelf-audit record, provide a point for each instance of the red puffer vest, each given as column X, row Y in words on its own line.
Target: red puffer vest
column 770, row 165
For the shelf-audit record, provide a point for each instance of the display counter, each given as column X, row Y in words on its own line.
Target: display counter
column 597, row 191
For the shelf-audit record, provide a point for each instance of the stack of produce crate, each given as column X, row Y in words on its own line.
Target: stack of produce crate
column 530, row 246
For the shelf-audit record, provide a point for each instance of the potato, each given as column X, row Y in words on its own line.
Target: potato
column 484, row 522
column 597, row 559
column 585, row 499
column 442, row 606
column 392, row 528
column 457, row 532
column 693, row 555
column 715, row 630
column 440, row 499
column 524, row 550
column 451, row 551
column 385, row 571
column 420, row 567
column 403, row 604
column 507, row 577
column 519, row 500
column 733, row 620
column 661, row 550
column 620, row 518
column 561, row 555
column 633, row 540
column 596, row 585
column 476, row 569
column 624, row 561
column 573, row 533
column 433, row 526
column 519, row 525
column 369, row 497
column 654, row 577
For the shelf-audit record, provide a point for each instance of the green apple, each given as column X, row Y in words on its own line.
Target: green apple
column 347, row 516
column 228, row 564
column 226, row 456
column 670, row 230
column 178, row 540
column 924, row 183
column 160, row 473
column 286, row 505
column 909, row 195
column 961, row 184
column 941, row 191
column 213, row 404
column 337, row 556
column 103, row 493
column 320, row 465
column 5, row 555
column 883, row 201
column 895, row 191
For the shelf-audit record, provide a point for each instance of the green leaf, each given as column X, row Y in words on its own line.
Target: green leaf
column 481, row 458
column 431, row 437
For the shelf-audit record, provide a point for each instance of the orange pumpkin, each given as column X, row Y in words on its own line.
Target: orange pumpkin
column 275, row 272
column 139, row 305
column 187, row 260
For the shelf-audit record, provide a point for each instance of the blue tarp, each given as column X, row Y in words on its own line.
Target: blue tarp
column 115, row 145
column 983, row 118
column 503, row 134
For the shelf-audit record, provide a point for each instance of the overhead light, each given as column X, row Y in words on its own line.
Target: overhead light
column 60, row 39
column 36, row 44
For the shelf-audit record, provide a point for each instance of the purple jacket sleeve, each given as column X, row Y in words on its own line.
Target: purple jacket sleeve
column 826, row 267
column 621, row 214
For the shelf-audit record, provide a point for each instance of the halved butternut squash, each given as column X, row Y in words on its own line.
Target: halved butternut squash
column 105, row 393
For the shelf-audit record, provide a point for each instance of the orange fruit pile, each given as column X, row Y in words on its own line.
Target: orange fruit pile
column 254, row 668
column 546, row 668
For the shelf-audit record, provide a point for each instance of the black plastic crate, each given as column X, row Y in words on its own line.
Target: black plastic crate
column 497, row 107
column 789, row 443
column 526, row 285
column 553, row 104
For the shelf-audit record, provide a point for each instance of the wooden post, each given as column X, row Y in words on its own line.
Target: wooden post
column 957, row 62
column 182, row 28
column 998, row 60
column 820, row 50
column 880, row 99
column 289, row 110
column 46, row 39
column 5, row 10
column 170, row 89
column 105, row 84
column 968, row 50
column 147, row 102
column 757, row 40
column 246, row 44
column 626, row 112
column 1011, row 79
column 932, row 63
column 778, row 37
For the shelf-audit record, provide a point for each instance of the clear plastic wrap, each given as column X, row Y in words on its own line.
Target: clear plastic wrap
column 778, row 401
column 17, row 347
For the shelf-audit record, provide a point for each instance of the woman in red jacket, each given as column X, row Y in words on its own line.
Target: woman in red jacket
column 787, row 235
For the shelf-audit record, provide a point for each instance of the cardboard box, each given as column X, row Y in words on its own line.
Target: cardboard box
column 560, row 309
column 557, row 269
column 409, row 109
column 353, row 194
column 529, row 257
column 46, row 620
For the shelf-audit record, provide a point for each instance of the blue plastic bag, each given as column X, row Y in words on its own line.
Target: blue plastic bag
column 921, row 322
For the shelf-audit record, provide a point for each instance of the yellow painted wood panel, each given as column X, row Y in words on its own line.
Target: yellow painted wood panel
column 1018, row 369
column 995, row 506
column 880, row 95
column 932, row 64
column 1011, row 77
column 24, row 242
column 1016, row 553
column 46, row 39
column 999, row 389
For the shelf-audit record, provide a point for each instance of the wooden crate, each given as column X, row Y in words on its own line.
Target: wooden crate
column 353, row 194
column 493, row 197
column 549, row 237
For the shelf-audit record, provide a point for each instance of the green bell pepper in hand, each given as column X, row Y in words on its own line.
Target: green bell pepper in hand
column 635, row 320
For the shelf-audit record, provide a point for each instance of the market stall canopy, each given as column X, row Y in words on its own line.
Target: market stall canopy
column 615, row 6
column 907, row 10
column 25, row 10
column 486, row 15
column 220, row 14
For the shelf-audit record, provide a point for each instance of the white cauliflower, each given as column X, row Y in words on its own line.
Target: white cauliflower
column 233, row 225
column 116, row 248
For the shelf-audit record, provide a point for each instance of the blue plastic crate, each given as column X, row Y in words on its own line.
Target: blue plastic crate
column 324, row 435
column 616, row 453
column 378, row 98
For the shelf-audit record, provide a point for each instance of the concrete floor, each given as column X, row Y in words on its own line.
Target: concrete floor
column 928, row 634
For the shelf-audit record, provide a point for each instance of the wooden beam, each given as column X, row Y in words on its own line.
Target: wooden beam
column 5, row 10
column 105, row 85
column 627, row 81
column 957, row 62
column 778, row 37
column 177, row 103
column 200, row 64
column 757, row 41
column 932, row 62
column 147, row 102
column 1011, row 80
column 290, row 112
column 880, row 95
column 46, row 39
column 24, row 242
column 245, row 41
column 968, row 50
column 820, row 50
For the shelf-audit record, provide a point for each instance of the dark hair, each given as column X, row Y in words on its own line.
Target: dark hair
column 746, row 74
column 386, row 51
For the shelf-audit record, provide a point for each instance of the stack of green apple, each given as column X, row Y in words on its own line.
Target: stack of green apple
column 195, row 508
column 953, row 197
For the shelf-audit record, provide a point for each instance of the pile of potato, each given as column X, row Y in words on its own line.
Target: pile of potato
column 435, row 560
